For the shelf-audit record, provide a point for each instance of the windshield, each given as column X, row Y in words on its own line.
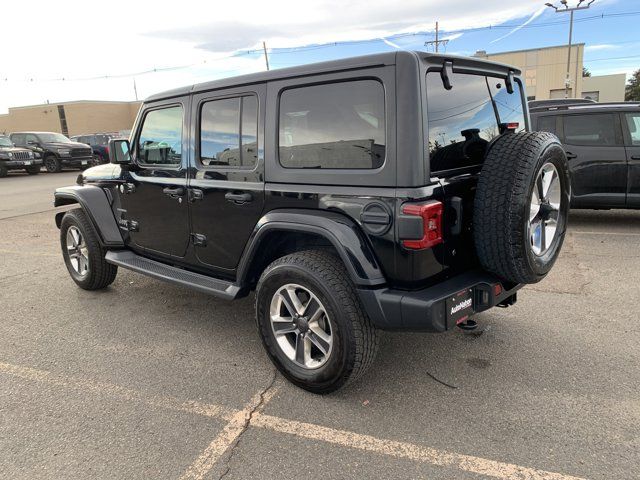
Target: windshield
column 462, row 121
column 53, row 137
column 5, row 142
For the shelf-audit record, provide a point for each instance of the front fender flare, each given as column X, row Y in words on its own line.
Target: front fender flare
column 95, row 203
column 342, row 232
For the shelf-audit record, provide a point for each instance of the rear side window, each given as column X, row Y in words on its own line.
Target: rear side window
column 160, row 141
column 591, row 129
column 229, row 132
column 633, row 121
column 547, row 124
column 462, row 121
column 333, row 126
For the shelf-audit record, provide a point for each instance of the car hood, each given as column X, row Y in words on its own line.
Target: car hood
column 65, row 145
column 100, row 173
column 13, row 149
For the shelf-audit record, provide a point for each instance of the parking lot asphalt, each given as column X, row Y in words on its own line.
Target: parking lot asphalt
column 149, row 380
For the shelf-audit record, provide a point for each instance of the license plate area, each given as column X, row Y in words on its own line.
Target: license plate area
column 84, row 162
column 459, row 306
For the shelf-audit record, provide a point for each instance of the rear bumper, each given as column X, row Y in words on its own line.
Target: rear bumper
column 424, row 310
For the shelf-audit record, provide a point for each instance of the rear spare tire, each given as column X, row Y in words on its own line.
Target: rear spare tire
column 521, row 206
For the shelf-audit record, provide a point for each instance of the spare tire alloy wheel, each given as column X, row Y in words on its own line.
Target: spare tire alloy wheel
column 301, row 326
column 544, row 209
column 77, row 251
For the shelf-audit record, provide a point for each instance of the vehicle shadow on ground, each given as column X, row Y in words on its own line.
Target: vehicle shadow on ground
column 603, row 218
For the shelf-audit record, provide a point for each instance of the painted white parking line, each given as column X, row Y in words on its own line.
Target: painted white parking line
column 252, row 416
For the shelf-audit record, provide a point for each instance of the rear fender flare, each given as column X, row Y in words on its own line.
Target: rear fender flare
column 342, row 232
column 95, row 203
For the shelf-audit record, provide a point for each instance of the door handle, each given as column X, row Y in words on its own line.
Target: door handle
column 244, row 197
column 571, row 155
column 173, row 192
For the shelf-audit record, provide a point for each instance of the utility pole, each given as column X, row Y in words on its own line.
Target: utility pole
column 567, row 81
column 266, row 58
column 436, row 43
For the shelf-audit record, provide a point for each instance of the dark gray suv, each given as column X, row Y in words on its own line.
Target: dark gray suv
column 602, row 142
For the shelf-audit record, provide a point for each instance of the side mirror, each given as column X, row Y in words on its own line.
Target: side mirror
column 119, row 152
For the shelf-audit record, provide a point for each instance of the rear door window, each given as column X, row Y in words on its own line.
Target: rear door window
column 333, row 126
column 597, row 129
column 462, row 121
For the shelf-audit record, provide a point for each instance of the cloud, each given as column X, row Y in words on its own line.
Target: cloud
column 531, row 19
column 603, row 46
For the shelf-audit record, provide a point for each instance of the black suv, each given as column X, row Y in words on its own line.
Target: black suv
column 56, row 150
column 99, row 143
column 15, row 158
column 602, row 142
column 400, row 191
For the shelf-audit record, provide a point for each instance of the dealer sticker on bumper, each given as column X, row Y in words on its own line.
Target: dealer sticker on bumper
column 460, row 306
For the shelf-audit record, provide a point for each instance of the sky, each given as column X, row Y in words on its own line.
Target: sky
column 79, row 50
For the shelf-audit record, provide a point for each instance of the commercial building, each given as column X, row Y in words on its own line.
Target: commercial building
column 72, row 118
column 544, row 71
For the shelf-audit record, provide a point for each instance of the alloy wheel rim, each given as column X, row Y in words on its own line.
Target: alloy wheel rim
column 544, row 209
column 301, row 326
column 77, row 251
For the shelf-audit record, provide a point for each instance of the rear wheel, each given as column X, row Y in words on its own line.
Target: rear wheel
column 83, row 254
column 52, row 164
column 311, row 321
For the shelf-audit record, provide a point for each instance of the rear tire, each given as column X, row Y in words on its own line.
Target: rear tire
column 341, row 340
column 82, row 252
column 52, row 164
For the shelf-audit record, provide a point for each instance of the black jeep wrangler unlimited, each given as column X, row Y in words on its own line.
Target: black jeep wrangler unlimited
column 15, row 158
column 400, row 191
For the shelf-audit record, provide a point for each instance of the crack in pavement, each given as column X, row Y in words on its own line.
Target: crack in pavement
column 265, row 395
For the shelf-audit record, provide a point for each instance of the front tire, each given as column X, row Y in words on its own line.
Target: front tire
column 33, row 170
column 83, row 255
column 52, row 164
column 311, row 321
column 4, row 171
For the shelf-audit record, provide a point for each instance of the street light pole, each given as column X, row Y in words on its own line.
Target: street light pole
column 567, row 81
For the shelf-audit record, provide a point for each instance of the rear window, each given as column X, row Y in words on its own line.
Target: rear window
column 462, row 121
column 333, row 126
column 591, row 129
column 546, row 124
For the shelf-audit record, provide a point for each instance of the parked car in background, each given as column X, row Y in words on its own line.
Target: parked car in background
column 15, row 158
column 56, row 150
column 602, row 142
column 99, row 143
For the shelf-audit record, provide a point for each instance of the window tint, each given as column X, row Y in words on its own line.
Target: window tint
column 590, row 129
column 31, row 138
column 160, row 141
column 547, row 124
column 229, row 132
column 337, row 125
column 633, row 120
column 18, row 139
column 462, row 121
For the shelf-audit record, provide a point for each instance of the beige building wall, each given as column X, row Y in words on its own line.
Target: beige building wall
column 605, row 88
column 82, row 117
column 544, row 69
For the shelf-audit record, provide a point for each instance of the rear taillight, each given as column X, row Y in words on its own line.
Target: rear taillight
column 106, row 150
column 431, row 215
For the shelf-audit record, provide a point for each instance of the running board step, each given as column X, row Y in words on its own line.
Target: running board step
column 151, row 268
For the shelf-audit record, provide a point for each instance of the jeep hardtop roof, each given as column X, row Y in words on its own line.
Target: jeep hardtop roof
column 378, row 59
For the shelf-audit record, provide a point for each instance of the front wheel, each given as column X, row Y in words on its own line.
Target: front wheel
column 52, row 164
column 33, row 170
column 311, row 321
column 82, row 252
